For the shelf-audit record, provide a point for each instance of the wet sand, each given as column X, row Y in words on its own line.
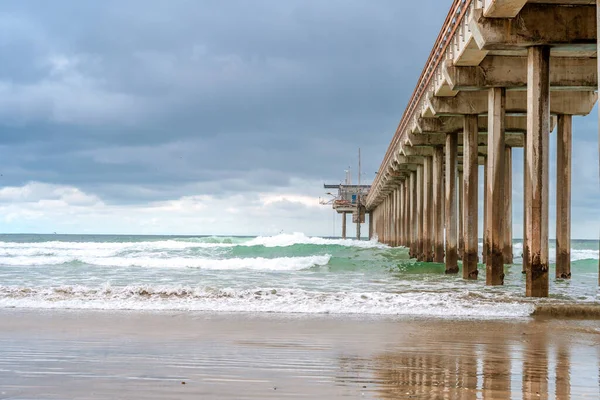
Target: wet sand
column 134, row 355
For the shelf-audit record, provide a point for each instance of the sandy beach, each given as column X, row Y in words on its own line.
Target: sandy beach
column 137, row 355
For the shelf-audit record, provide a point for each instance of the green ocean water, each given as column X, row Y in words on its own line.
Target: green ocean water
column 288, row 273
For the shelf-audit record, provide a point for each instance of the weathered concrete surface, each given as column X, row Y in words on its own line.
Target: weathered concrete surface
column 563, row 197
column 420, row 216
column 485, row 250
column 470, row 187
column 461, row 214
column 503, row 8
column 538, row 121
column 508, row 220
column 414, row 230
column 438, row 204
column 427, row 210
column 526, row 186
column 343, row 225
column 451, row 204
column 454, row 124
column 407, row 234
column 439, row 139
column 511, row 73
column 537, row 25
column 475, row 102
column 495, row 188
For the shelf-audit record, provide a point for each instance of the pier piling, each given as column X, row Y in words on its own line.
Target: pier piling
column 451, row 206
column 563, row 197
column 508, row 220
column 428, row 210
column 538, row 129
column 420, row 216
column 495, row 188
column 438, row 204
column 470, row 186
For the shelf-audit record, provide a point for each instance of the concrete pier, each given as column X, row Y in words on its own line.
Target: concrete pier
column 428, row 210
column 420, row 214
column 414, row 218
column 500, row 75
column 563, row 197
column 461, row 215
column 343, row 225
column 508, row 220
column 525, row 249
column 470, row 207
column 538, row 137
column 438, row 204
column 406, row 221
column 451, row 204
column 495, row 188
column 485, row 250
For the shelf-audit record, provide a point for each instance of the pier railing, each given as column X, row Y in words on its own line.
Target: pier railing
column 453, row 41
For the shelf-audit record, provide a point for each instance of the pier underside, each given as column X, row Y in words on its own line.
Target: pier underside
column 503, row 74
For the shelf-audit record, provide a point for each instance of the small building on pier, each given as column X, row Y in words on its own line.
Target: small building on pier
column 349, row 199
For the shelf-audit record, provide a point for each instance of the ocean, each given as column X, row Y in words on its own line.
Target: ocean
column 287, row 273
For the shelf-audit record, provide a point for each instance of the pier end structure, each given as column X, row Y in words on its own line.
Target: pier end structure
column 349, row 199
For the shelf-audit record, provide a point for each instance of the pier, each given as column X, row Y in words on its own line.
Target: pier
column 502, row 75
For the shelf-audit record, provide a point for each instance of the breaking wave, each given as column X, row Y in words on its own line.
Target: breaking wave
column 258, row 263
column 187, row 298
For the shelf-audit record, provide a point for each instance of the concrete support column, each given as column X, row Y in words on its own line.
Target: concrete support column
column 451, row 204
column 495, row 187
column 438, row 204
column 525, row 249
column 343, row 225
column 508, row 246
column 598, row 44
column 563, row 197
column 396, row 218
column 371, row 225
column 401, row 213
column 484, row 253
column 380, row 222
column 386, row 221
column 358, row 225
column 538, row 132
column 407, row 213
column 420, row 218
column 383, row 221
column 461, row 216
column 413, row 215
column 391, row 220
column 470, row 187
column 427, row 210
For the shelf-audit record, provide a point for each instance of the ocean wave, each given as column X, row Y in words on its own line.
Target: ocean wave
column 105, row 249
column 286, row 240
column 576, row 254
column 275, row 300
column 258, row 263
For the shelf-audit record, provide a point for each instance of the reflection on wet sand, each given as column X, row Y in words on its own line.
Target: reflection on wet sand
column 535, row 367
column 502, row 365
column 155, row 356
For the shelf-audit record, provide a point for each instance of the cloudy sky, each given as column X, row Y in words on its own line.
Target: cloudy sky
column 211, row 117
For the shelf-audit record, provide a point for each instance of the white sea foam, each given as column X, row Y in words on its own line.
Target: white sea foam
column 440, row 304
column 257, row 263
column 576, row 254
column 111, row 248
column 286, row 240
